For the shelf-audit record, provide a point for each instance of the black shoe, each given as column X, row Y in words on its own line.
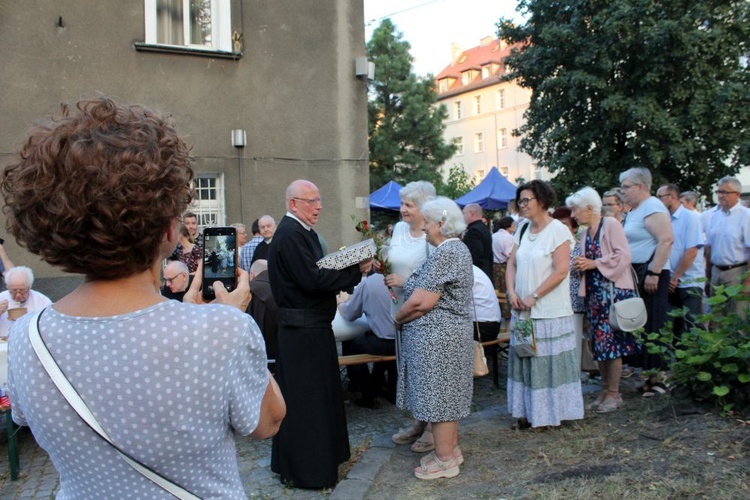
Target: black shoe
column 365, row 402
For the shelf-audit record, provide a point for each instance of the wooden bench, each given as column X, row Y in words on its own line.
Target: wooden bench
column 497, row 345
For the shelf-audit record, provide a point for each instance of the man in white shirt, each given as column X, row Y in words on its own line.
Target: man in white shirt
column 19, row 295
column 484, row 309
column 502, row 246
column 728, row 241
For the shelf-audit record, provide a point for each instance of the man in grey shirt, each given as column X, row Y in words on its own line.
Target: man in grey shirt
column 370, row 297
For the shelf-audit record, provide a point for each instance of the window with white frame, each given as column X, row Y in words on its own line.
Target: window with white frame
column 477, row 104
column 198, row 24
column 504, row 171
column 479, row 175
column 459, row 143
column 538, row 172
column 486, row 71
column 457, row 110
column 502, row 138
column 466, row 77
column 208, row 204
column 443, row 85
column 500, row 98
column 478, row 142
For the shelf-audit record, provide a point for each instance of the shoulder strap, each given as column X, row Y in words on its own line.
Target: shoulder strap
column 79, row 406
column 523, row 230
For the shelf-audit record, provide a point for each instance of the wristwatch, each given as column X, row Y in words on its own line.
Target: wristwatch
column 535, row 295
column 649, row 272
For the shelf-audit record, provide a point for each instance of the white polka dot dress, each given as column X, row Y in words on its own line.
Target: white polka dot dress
column 170, row 384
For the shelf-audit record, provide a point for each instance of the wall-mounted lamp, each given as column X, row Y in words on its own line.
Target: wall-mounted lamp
column 364, row 69
column 239, row 138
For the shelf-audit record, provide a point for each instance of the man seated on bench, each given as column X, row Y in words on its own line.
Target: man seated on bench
column 372, row 298
column 485, row 312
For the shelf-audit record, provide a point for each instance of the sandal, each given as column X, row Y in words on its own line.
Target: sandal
column 595, row 403
column 457, row 455
column 610, row 405
column 436, row 468
column 406, row 436
column 628, row 372
column 658, row 389
column 425, row 443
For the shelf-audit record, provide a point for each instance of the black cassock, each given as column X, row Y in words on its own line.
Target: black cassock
column 313, row 439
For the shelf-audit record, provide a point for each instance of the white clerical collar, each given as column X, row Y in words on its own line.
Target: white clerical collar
column 290, row 214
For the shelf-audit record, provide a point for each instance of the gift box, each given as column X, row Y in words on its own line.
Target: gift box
column 349, row 256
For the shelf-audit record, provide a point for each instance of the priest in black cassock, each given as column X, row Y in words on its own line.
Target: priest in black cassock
column 313, row 439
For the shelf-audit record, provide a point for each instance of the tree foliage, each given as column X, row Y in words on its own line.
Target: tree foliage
column 458, row 183
column 617, row 84
column 405, row 127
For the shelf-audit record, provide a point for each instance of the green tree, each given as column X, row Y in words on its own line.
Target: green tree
column 458, row 183
column 617, row 84
column 405, row 126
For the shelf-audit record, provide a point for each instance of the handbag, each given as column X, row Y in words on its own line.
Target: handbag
column 480, row 360
column 627, row 315
column 83, row 411
column 524, row 339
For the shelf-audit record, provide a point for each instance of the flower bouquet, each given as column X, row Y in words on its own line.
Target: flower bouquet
column 363, row 227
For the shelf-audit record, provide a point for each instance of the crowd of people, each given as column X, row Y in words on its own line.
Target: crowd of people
column 264, row 358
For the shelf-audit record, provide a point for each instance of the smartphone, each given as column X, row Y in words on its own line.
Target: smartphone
column 219, row 260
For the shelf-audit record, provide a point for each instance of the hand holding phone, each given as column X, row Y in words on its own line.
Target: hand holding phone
column 239, row 297
column 219, row 260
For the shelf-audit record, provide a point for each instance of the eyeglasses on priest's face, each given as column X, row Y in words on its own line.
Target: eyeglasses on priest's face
column 311, row 201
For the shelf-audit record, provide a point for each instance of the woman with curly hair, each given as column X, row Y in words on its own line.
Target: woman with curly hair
column 99, row 192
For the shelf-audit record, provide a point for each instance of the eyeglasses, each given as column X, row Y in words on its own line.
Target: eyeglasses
column 610, row 204
column 722, row 192
column 19, row 290
column 524, row 201
column 312, row 201
column 625, row 187
column 170, row 280
column 662, row 196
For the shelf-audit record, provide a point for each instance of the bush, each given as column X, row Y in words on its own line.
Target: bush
column 712, row 363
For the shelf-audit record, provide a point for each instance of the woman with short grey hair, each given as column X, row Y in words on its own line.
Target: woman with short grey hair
column 605, row 271
column 648, row 228
column 435, row 363
column 613, row 205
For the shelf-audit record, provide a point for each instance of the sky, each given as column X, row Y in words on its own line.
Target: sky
column 431, row 26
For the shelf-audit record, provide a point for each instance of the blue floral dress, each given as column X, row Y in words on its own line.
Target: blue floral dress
column 605, row 343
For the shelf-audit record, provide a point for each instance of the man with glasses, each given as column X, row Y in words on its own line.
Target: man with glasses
column 19, row 298
column 728, row 241
column 313, row 439
column 176, row 280
column 686, row 258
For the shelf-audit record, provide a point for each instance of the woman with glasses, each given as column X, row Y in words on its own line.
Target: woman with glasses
column 545, row 389
column 648, row 228
column 613, row 205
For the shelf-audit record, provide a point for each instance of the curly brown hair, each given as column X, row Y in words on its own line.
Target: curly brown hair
column 95, row 190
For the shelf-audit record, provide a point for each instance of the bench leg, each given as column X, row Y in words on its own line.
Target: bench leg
column 12, row 446
column 495, row 377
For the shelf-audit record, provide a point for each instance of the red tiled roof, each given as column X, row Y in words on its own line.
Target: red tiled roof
column 474, row 58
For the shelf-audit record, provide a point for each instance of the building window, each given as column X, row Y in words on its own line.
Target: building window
column 478, row 142
column 198, row 24
column 466, row 77
column 457, row 110
column 477, row 104
column 479, row 175
column 504, row 171
column 208, row 204
column 459, row 143
column 502, row 138
column 538, row 173
column 443, row 85
column 486, row 72
column 501, row 99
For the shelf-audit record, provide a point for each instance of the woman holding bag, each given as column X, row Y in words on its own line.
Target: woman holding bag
column 545, row 389
column 606, row 260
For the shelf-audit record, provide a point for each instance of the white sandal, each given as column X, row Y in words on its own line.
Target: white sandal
column 436, row 468
column 406, row 436
column 457, row 455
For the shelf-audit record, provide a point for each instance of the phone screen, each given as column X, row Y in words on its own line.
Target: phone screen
column 219, row 259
